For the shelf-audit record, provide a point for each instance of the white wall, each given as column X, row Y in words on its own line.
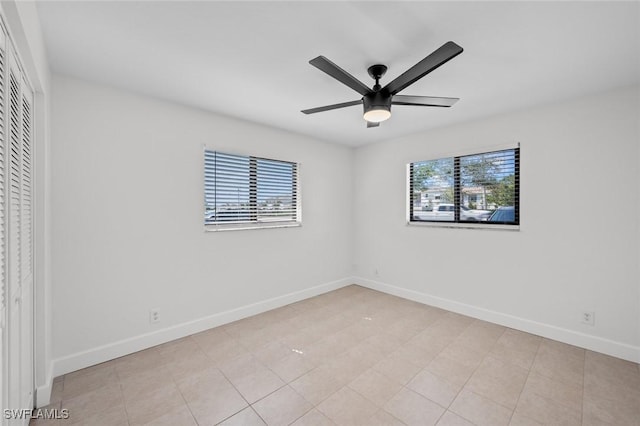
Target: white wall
column 577, row 248
column 128, row 230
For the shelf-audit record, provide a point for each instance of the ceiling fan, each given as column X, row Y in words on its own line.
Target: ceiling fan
column 377, row 101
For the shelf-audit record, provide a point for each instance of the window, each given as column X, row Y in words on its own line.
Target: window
column 480, row 188
column 249, row 192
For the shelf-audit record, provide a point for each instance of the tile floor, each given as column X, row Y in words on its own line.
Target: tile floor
column 355, row 357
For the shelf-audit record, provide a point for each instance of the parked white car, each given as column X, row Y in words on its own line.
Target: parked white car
column 473, row 214
column 441, row 212
column 445, row 212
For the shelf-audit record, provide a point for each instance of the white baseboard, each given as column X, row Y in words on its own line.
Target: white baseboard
column 594, row 343
column 124, row 347
column 43, row 393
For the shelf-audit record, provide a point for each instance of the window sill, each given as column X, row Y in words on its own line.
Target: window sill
column 470, row 225
column 247, row 226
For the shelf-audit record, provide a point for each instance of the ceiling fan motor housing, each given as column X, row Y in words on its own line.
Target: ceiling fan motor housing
column 377, row 100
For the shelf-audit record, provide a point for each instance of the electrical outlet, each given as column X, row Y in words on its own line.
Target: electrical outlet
column 154, row 316
column 589, row 317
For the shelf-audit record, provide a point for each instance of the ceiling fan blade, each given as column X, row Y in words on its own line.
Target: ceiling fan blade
column 323, row 64
column 433, row 101
column 440, row 56
column 330, row 107
column 372, row 124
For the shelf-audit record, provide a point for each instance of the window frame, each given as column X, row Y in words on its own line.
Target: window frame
column 456, row 223
column 253, row 222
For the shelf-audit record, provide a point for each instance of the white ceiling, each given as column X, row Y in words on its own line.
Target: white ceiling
column 250, row 59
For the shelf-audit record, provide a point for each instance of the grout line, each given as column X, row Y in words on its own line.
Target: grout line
column 584, row 373
column 526, row 380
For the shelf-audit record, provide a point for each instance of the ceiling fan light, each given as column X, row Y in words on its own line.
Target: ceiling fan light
column 376, row 115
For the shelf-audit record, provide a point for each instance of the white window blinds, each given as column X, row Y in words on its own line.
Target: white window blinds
column 251, row 191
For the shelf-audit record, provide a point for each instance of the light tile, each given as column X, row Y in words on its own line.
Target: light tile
column 562, row 349
column 417, row 355
column 451, row 370
column 112, row 416
column 272, row 352
column 546, row 410
column 258, row 384
column 56, row 392
column 413, row 409
column 255, row 340
column 347, row 407
column 109, row 365
column 88, row 380
column 613, row 409
column 375, row 386
column 397, row 368
column 346, row 367
column 213, row 335
column 246, row 417
column 180, row 415
column 252, row 379
column 464, row 355
column 214, row 408
column 382, row 418
column 452, row 419
column 210, row 382
column 88, row 403
column 222, row 351
column 434, row 388
column 499, row 381
column 326, row 348
column 480, row 410
column 434, row 342
column 292, row 366
column 299, row 340
column 481, row 336
column 368, row 353
column 155, row 403
column 178, row 348
column 184, row 366
column 560, row 363
column 405, row 329
column 137, row 362
column 568, row 394
column 516, row 348
column 317, row 385
column 40, row 420
column 519, row 420
column 385, row 342
column 243, row 327
column 607, row 375
column 138, row 385
column 283, row 406
column 313, row 418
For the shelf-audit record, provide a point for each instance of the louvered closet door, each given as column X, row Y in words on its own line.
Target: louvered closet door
column 26, row 249
column 3, row 266
column 18, row 189
column 13, row 210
